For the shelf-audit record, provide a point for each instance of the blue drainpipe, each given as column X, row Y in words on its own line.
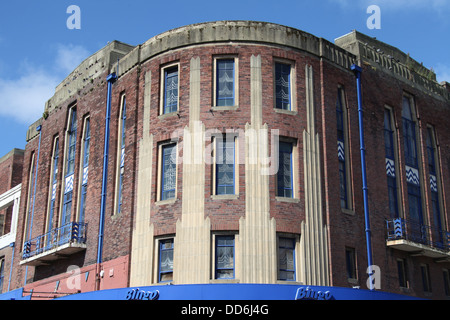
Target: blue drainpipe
column 357, row 70
column 110, row 79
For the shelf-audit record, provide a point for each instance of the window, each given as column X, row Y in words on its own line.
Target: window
column 71, row 138
column 403, row 280
column 168, row 171
column 224, row 173
column 426, row 280
column 285, row 170
column 121, row 155
column 446, row 282
column 412, row 168
column 224, row 262
column 30, row 199
column 286, row 259
column 391, row 167
column 350, row 260
column 53, row 184
column 85, row 168
column 225, row 84
column 170, row 89
column 2, row 273
column 342, row 135
column 283, row 86
column 435, row 185
column 165, row 273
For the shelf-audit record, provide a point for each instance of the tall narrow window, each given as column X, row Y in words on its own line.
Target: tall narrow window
column 53, row 184
column 84, row 177
column 165, row 260
column 121, row 156
column 225, row 82
column 389, row 145
column 168, row 171
column 224, row 257
column 285, row 170
column 30, row 199
column 426, row 280
column 446, row 275
column 286, row 259
column 2, row 273
column 412, row 170
column 341, row 116
column 71, row 139
column 283, row 86
column 435, row 186
column 350, row 260
column 170, row 103
column 403, row 280
column 225, row 165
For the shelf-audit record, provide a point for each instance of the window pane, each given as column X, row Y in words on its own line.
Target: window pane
column 171, row 90
column 284, row 176
column 225, row 82
column 282, row 86
column 169, row 171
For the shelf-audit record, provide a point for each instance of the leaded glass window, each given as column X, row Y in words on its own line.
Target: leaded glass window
column 285, row 171
column 225, row 82
column 169, row 169
column 225, row 257
column 283, row 86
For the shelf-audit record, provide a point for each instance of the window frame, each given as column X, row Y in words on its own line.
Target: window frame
column 294, row 257
column 53, row 185
column 120, row 161
column 160, row 243
column 161, row 170
column 345, row 183
column 68, row 176
column 392, row 172
column 224, row 138
column 164, row 71
column 292, row 85
column 215, row 267
column 84, row 168
column 235, row 104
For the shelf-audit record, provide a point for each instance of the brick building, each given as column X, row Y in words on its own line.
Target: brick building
column 229, row 153
column 10, row 190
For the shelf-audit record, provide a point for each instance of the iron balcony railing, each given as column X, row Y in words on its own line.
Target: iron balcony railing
column 73, row 232
column 403, row 229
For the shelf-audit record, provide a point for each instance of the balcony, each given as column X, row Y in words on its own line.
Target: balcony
column 56, row 244
column 418, row 239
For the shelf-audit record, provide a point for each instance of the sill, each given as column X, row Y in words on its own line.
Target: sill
column 168, row 115
column 297, row 283
column 224, row 108
column 165, row 202
column 285, row 199
column 283, row 111
column 224, row 196
column 348, row 211
column 224, row 281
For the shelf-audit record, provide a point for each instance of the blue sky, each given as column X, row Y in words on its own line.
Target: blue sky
column 37, row 50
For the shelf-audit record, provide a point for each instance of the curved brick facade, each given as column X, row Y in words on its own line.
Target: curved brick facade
column 316, row 226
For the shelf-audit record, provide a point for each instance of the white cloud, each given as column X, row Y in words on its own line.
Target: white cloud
column 23, row 98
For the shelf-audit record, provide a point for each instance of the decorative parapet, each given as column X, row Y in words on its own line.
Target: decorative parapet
column 393, row 61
